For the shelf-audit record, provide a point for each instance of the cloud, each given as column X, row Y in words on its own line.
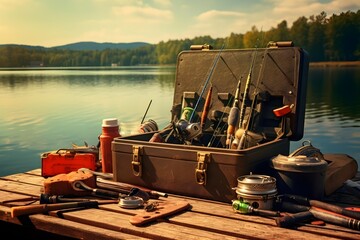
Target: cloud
column 219, row 15
column 142, row 14
column 126, row 23
column 216, row 23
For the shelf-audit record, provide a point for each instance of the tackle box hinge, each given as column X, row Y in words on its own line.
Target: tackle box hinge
column 200, row 171
column 136, row 162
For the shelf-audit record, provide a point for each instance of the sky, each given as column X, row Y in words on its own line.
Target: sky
column 52, row 23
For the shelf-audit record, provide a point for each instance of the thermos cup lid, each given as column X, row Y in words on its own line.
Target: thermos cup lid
column 299, row 163
column 110, row 122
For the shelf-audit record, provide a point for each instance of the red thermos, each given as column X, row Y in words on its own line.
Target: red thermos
column 110, row 130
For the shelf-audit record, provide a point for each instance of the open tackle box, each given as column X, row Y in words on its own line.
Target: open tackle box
column 196, row 156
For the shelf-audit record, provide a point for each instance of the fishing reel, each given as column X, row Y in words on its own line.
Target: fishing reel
column 187, row 131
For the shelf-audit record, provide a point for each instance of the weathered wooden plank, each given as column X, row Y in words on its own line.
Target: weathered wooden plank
column 25, row 178
column 194, row 226
column 227, row 217
column 54, row 224
column 267, row 228
column 225, row 211
column 210, row 209
column 158, row 230
column 222, row 213
column 205, row 220
column 35, row 172
column 20, row 187
column 64, row 227
column 14, row 199
column 75, row 229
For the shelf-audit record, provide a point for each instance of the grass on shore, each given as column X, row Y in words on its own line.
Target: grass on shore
column 336, row 64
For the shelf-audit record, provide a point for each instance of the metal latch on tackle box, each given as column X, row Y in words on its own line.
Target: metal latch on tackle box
column 137, row 160
column 200, row 171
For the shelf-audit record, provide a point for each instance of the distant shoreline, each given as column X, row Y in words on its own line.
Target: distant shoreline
column 311, row 64
column 336, row 64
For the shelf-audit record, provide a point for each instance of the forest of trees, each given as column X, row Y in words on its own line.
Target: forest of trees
column 334, row 38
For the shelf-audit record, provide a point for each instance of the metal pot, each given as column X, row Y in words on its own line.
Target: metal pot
column 300, row 175
column 258, row 191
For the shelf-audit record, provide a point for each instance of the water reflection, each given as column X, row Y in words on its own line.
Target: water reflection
column 334, row 92
column 86, row 76
column 42, row 110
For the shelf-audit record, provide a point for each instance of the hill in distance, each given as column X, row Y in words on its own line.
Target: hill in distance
column 101, row 46
column 79, row 46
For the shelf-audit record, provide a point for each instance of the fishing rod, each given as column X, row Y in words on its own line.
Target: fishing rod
column 184, row 129
column 233, row 118
column 247, row 86
column 245, row 133
column 207, row 82
column 246, row 91
column 147, row 109
column 242, row 134
column 206, row 108
column 241, row 140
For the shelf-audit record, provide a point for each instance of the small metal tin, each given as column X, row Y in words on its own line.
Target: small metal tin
column 131, row 202
column 258, row 191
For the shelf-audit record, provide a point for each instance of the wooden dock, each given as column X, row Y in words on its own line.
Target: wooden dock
column 204, row 220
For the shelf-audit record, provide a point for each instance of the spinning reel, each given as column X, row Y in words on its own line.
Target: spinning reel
column 186, row 131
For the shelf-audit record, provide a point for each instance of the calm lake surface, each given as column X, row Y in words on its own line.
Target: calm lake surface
column 46, row 109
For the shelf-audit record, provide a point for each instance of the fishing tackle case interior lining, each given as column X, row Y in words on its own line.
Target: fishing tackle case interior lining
column 208, row 170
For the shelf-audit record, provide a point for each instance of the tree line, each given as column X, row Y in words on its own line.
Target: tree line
column 334, row 38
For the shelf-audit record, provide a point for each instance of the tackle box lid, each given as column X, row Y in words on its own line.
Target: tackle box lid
column 275, row 76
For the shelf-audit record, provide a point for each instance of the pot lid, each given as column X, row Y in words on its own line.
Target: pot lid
column 299, row 163
column 256, row 184
column 255, row 178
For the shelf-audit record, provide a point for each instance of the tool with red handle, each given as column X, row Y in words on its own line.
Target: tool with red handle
column 308, row 212
column 323, row 205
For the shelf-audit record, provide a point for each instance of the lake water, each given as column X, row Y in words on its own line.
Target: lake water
column 46, row 109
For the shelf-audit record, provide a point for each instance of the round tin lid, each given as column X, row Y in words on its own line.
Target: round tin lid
column 300, row 163
column 256, row 184
column 131, row 202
